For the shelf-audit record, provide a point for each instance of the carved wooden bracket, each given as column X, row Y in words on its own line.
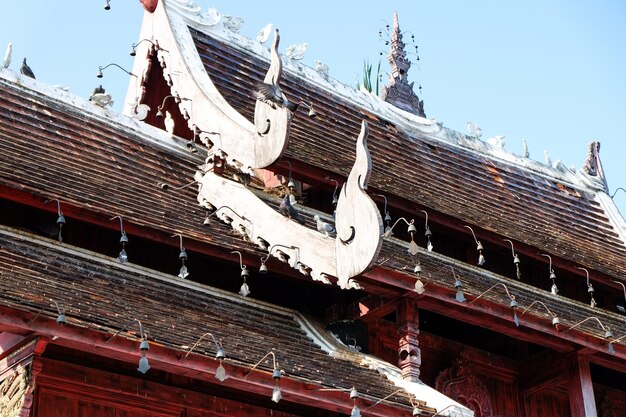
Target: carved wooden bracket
column 358, row 221
column 307, row 249
column 241, row 143
column 359, row 224
column 269, row 147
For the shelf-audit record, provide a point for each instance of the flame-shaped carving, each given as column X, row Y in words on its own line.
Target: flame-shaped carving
column 358, row 222
column 272, row 122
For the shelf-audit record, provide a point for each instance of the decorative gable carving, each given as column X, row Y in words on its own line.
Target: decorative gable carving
column 461, row 384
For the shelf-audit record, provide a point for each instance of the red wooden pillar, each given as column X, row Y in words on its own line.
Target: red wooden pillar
column 410, row 357
column 581, row 398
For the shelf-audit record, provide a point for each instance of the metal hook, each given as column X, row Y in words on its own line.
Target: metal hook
column 241, row 265
column 387, row 215
column 58, row 205
column 58, row 308
column 410, row 224
column 511, row 297
column 587, row 272
column 181, row 241
column 218, row 345
column 550, row 258
column 142, row 334
column 275, row 364
column 473, row 234
column 538, row 302
column 623, row 286
column 426, row 213
column 121, row 224
column 512, row 248
column 619, row 188
column 583, row 321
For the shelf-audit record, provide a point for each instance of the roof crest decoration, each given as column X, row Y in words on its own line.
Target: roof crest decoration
column 193, row 12
column 399, row 92
column 577, row 179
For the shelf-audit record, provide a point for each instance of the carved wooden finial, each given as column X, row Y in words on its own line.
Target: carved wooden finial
column 399, row 92
column 593, row 166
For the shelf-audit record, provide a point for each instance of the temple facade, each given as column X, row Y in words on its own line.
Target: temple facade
column 252, row 237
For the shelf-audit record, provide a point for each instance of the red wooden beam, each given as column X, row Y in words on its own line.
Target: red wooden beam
column 496, row 317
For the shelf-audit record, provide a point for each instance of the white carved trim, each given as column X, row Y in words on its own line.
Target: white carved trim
column 237, row 138
column 613, row 213
column 259, row 220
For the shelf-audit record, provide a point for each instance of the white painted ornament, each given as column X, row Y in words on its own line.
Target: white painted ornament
column 233, row 23
column 296, row 52
column 264, row 34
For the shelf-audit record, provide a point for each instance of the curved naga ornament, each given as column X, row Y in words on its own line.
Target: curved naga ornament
column 358, row 221
column 271, row 121
column 241, row 143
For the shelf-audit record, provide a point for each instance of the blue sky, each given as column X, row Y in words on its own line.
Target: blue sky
column 550, row 72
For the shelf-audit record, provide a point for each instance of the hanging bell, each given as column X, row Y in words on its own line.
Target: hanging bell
column 123, row 238
column 244, row 291
column 458, row 285
column 123, row 256
column 554, row 290
column 514, row 306
column 481, row 259
column 419, row 287
column 143, row 346
column 277, row 394
column 428, row 234
column 182, row 255
column 220, row 373
column 244, row 272
column 61, row 220
column 184, row 272
column 144, row 366
column 263, row 268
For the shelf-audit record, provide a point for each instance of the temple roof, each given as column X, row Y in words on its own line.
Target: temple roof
column 555, row 210
column 100, row 163
column 96, row 293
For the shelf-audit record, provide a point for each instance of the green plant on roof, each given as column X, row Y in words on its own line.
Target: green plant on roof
column 367, row 78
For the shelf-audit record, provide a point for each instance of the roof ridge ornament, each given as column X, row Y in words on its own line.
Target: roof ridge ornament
column 399, row 92
column 593, row 166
